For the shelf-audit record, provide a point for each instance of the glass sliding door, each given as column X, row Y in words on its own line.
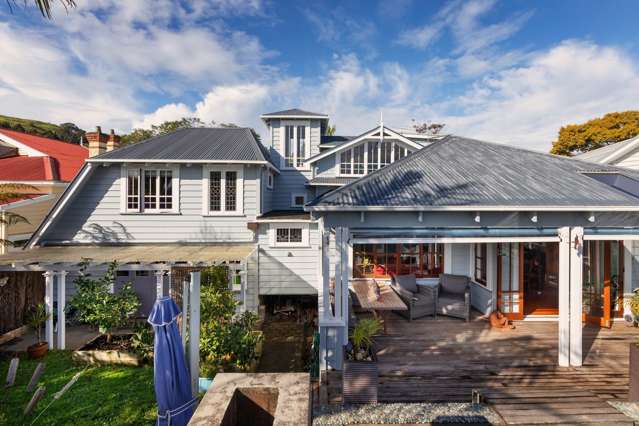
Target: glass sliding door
column 602, row 281
column 510, row 298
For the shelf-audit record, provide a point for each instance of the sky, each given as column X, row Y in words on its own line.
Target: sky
column 511, row 71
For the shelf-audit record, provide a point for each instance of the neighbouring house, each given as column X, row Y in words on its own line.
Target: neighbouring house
column 622, row 154
column 46, row 166
column 302, row 213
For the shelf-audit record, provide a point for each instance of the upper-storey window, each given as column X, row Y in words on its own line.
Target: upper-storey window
column 370, row 156
column 296, row 144
column 149, row 190
column 223, row 191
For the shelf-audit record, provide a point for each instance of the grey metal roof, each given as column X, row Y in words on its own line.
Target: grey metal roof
column 600, row 154
column 464, row 173
column 334, row 139
column 294, row 112
column 202, row 143
column 331, row 181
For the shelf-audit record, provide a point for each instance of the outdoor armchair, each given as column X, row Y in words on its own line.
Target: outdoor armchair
column 453, row 296
column 420, row 300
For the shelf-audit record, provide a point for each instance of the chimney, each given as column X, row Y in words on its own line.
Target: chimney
column 97, row 142
column 113, row 142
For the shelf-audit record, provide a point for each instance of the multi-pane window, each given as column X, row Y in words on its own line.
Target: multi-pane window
column 480, row 263
column 224, row 191
column 370, row 156
column 148, row 190
column 383, row 260
column 298, row 200
column 288, row 235
column 295, row 145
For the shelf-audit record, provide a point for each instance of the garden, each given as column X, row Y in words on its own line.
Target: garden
column 105, row 389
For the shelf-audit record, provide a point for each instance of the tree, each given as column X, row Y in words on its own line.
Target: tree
column 44, row 6
column 611, row 128
column 69, row 132
column 330, row 130
column 427, row 128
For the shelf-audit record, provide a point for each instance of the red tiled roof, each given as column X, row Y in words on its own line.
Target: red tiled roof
column 67, row 158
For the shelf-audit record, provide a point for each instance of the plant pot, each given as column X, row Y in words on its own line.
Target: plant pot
column 633, row 391
column 38, row 350
column 359, row 381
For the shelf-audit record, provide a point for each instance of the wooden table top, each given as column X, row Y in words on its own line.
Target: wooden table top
column 388, row 300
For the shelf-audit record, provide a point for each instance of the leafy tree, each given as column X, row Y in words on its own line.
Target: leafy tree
column 227, row 340
column 69, row 132
column 97, row 306
column 595, row 133
column 44, row 6
column 427, row 128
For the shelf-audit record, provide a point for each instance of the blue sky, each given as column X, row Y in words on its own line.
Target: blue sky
column 506, row 71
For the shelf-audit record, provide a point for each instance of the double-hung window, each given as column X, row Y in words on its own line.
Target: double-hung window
column 289, row 235
column 480, row 263
column 222, row 191
column 150, row 190
column 296, row 144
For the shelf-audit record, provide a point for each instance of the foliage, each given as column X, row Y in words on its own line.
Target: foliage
column 362, row 337
column 595, row 133
column 9, row 192
column 36, row 317
column 44, row 6
column 67, row 132
column 227, row 340
column 330, row 130
column 142, row 342
column 427, row 128
column 633, row 304
column 103, row 395
column 97, row 306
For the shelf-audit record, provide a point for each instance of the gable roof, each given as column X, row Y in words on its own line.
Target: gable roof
column 370, row 134
column 200, row 144
column 68, row 158
column 23, row 168
column 610, row 153
column 465, row 174
column 293, row 113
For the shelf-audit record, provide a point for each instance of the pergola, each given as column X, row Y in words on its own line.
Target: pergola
column 57, row 261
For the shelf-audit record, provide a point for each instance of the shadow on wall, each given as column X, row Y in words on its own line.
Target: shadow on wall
column 274, row 275
column 99, row 233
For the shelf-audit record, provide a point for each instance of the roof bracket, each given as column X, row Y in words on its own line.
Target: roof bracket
column 477, row 217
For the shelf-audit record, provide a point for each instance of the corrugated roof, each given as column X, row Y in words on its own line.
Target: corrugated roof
column 468, row 173
column 294, row 112
column 196, row 144
column 23, row 168
column 600, row 154
column 331, row 181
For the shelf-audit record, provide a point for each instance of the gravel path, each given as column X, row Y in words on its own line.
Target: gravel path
column 417, row 413
column 630, row 409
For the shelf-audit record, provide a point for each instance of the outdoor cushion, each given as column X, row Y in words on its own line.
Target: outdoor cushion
column 449, row 304
column 407, row 282
column 423, row 299
column 454, row 284
column 402, row 292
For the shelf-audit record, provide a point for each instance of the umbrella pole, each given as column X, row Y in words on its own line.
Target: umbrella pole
column 194, row 331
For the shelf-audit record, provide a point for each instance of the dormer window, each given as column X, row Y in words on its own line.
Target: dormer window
column 296, row 146
column 370, row 156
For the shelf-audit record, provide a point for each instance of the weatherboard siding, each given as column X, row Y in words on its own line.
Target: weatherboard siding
column 290, row 270
column 94, row 214
column 630, row 161
column 287, row 183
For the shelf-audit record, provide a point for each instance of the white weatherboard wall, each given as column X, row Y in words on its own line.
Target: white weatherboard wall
column 288, row 270
column 94, row 214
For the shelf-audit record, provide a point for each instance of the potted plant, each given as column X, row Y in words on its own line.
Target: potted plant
column 36, row 318
column 360, row 376
column 633, row 392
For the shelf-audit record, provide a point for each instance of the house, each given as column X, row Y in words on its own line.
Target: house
column 45, row 166
column 302, row 213
column 622, row 154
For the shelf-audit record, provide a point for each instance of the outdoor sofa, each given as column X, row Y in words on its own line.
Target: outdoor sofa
column 453, row 296
column 420, row 300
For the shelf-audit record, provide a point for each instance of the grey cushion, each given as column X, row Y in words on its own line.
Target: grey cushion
column 453, row 284
column 423, row 299
column 407, row 282
column 450, row 304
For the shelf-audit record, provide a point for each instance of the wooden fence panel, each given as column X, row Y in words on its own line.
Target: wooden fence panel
column 21, row 291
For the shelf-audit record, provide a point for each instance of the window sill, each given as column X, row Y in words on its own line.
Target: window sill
column 290, row 245
column 147, row 213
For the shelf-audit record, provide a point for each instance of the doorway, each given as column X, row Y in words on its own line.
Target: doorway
column 541, row 278
column 602, row 281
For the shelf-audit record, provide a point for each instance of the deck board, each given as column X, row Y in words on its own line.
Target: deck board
column 516, row 371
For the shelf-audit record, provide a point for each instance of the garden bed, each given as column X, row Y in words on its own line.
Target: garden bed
column 117, row 352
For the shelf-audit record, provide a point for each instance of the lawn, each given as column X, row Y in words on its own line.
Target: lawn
column 108, row 395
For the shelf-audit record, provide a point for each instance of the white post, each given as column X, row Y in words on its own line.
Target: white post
column 194, row 331
column 62, row 282
column 564, row 297
column 185, row 310
column 338, row 274
column 159, row 284
column 576, row 297
column 48, row 306
column 346, row 275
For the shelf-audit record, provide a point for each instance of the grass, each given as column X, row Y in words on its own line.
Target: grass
column 105, row 395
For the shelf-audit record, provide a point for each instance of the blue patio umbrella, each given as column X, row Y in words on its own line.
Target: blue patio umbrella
column 172, row 380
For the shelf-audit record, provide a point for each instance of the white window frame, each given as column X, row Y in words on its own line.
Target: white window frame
column 270, row 179
column 296, row 155
column 272, row 233
column 206, row 193
column 140, row 169
column 295, row 195
column 394, row 143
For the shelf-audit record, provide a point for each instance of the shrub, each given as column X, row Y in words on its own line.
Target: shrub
column 37, row 316
column 96, row 305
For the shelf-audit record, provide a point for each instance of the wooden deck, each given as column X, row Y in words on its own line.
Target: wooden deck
column 516, row 371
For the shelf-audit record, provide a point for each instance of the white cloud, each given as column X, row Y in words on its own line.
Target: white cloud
column 168, row 112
